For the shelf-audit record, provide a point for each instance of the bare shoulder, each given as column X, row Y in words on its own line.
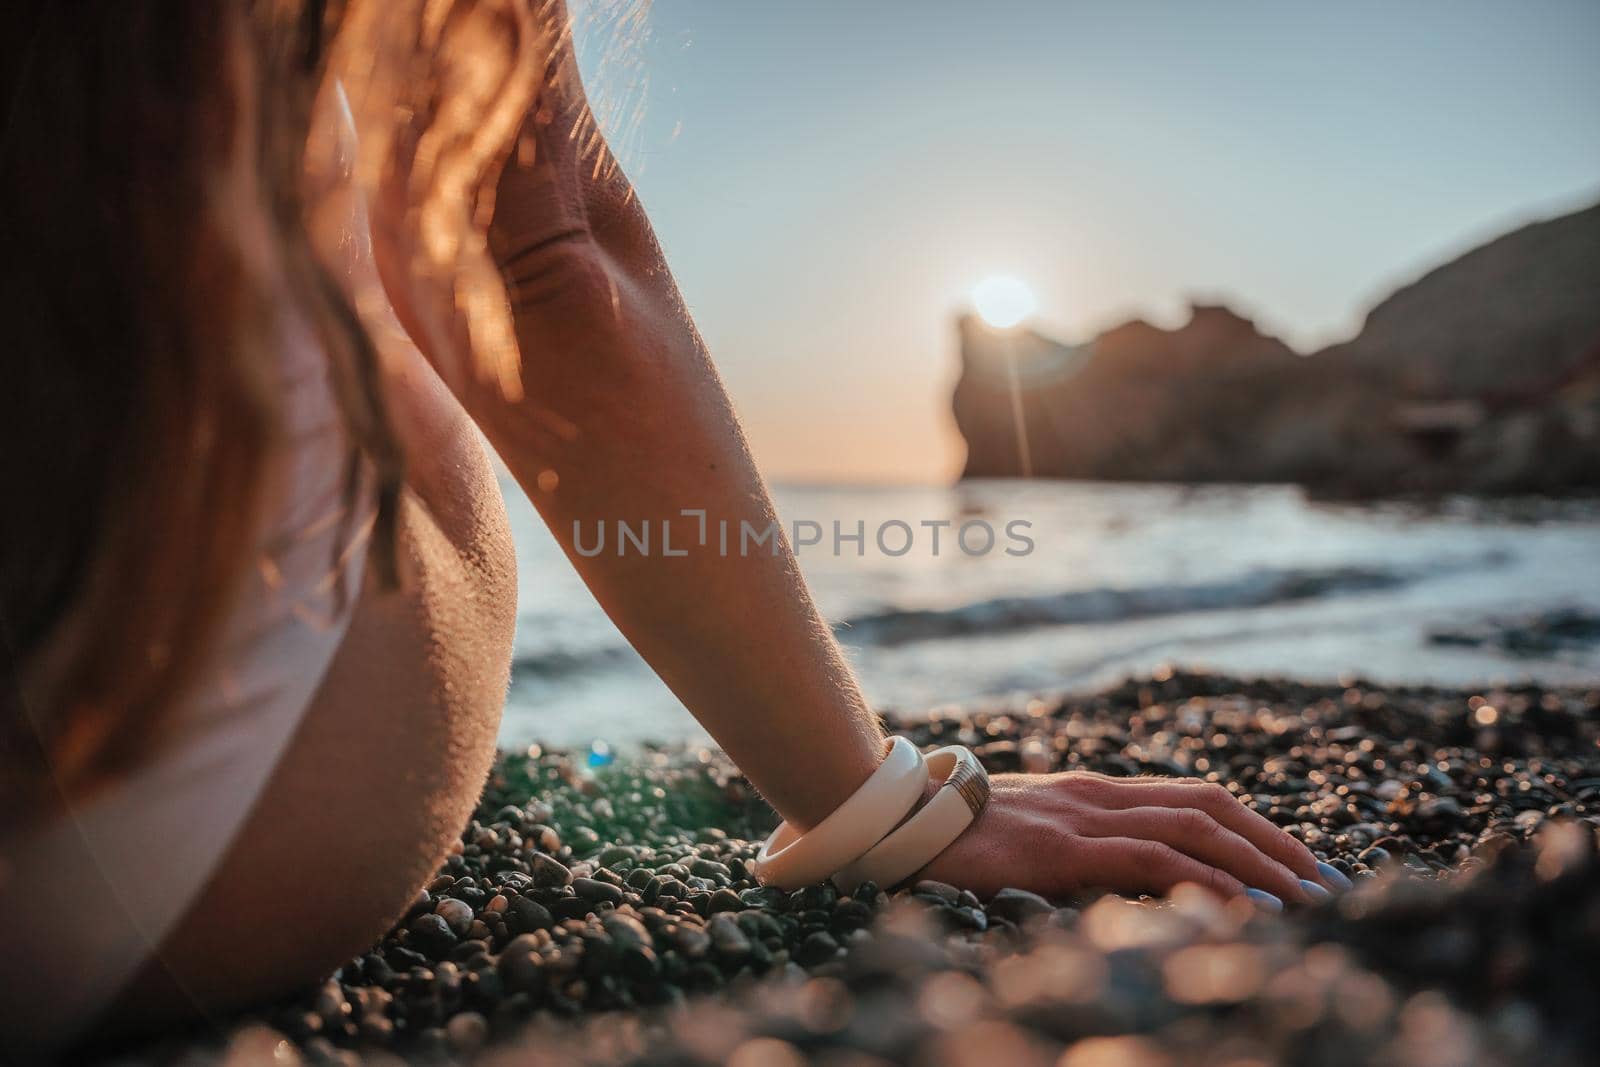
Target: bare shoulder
column 389, row 760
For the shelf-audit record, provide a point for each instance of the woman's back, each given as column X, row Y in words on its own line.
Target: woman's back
column 330, row 740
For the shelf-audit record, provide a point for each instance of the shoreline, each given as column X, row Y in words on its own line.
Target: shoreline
column 608, row 916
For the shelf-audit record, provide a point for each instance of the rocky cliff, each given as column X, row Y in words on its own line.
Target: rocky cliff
column 1484, row 375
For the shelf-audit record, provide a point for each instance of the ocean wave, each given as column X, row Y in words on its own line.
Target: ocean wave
column 1259, row 588
column 554, row 664
column 902, row 626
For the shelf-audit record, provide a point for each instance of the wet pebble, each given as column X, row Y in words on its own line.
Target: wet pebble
column 1019, row 905
column 817, row 948
column 595, row 891
column 431, row 935
column 457, row 914
column 547, row 871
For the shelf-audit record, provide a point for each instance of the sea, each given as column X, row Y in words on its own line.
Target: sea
column 1085, row 584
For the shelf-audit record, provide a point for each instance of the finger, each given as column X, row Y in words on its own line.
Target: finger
column 1142, row 866
column 1196, row 833
column 1216, row 801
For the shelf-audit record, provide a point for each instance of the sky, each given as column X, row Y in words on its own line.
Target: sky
column 831, row 179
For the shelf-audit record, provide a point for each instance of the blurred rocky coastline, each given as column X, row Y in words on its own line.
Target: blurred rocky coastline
column 1483, row 376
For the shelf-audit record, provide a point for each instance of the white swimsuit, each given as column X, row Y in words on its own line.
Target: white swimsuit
column 88, row 899
column 93, row 895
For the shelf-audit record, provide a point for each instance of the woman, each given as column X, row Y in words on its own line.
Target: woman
column 278, row 271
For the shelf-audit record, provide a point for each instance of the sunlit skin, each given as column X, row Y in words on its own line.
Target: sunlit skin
column 621, row 415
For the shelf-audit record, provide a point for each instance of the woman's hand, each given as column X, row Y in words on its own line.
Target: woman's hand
column 1057, row 833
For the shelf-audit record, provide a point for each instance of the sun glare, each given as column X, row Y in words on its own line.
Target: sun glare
column 1003, row 301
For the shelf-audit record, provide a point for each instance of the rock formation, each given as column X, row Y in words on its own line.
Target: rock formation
column 1484, row 376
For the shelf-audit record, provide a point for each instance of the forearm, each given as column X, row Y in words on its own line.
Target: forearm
column 639, row 436
column 735, row 636
column 620, row 418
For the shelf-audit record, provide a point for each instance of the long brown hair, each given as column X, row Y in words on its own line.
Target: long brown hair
column 136, row 410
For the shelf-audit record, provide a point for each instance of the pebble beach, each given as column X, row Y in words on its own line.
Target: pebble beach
column 607, row 915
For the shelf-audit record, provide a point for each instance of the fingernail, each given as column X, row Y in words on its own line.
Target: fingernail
column 1333, row 876
column 1314, row 891
column 1264, row 900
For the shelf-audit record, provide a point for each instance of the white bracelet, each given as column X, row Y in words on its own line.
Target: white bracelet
column 930, row 831
column 789, row 859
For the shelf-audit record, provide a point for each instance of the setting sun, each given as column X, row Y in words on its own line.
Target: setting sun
column 1003, row 301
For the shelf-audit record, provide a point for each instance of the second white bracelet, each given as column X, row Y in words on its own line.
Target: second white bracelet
column 931, row 830
column 790, row 860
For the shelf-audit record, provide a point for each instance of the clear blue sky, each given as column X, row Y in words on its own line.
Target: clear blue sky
column 831, row 178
